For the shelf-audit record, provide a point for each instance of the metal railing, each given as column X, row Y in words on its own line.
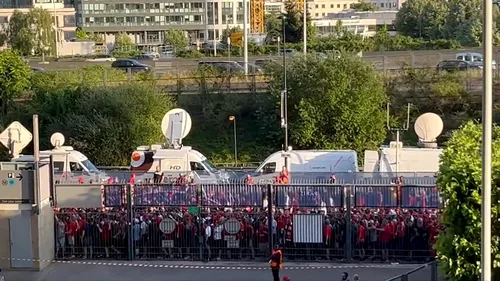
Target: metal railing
column 217, row 221
column 433, row 273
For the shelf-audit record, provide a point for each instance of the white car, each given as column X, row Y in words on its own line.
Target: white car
column 101, row 58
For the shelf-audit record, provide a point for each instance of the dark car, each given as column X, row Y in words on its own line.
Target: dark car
column 37, row 69
column 131, row 65
column 456, row 65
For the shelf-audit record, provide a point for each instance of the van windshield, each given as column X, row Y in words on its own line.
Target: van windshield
column 210, row 167
column 90, row 166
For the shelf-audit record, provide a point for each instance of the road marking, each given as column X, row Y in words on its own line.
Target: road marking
column 217, row 267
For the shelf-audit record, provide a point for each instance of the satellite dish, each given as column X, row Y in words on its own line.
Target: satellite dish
column 57, row 140
column 428, row 127
column 175, row 126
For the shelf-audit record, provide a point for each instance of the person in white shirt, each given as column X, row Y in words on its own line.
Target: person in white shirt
column 218, row 241
column 208, row 237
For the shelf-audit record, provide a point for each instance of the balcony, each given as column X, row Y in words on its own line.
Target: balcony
column 142, row 26
column 145, row 11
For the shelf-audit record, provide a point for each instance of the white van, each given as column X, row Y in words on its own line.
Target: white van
column 311, row 161
column 67, row 160
column 475, row 59
column 173, row 162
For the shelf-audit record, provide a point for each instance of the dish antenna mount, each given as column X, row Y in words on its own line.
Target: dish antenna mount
column 57, row 140
column 428, row 127
column 175, row 126
column 405, row 127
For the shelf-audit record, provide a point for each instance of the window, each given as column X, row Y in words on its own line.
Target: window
column 198, row 168
column 338, row 6
column 345, row 6
column 317, row 15
column 331, row 6
column 323, row 6
column 381, row 5
column 68, row 35
column 317, row 6
column 58, row 166
column 269, row 168
column 69, row 20
column 75, row 167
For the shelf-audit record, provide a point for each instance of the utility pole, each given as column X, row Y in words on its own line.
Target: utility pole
column 284, row 97
column 404, row 128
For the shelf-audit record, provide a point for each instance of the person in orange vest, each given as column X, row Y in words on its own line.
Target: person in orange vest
column 285, row 175
column 276, row 262
column 249, row 180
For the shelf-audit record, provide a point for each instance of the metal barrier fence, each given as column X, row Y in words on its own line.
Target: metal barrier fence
column 430, row 270
column 231, row 221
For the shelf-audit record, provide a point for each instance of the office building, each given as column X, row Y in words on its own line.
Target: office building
column 319, row 9
column 145, row 21
column 362, row 23
column 63, row 11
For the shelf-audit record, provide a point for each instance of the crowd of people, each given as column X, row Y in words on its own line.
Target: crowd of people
column 215, row 233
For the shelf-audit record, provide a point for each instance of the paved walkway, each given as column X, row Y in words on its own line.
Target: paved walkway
column 213, row 271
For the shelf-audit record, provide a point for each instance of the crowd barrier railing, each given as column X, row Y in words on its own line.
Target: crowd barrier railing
column 232, row 222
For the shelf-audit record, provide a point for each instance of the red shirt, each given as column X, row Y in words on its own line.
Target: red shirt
column 71, row 228
column 361, row 234
column 386, row 234
column 327, row 232
column 263, row 237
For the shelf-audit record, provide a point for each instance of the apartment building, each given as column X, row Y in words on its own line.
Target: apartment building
column 63, row 11
column 362, row 23
column 145, row 21
column 319, row 9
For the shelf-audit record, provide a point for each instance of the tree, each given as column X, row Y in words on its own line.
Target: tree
column 124, row 46
column 274, row 28
column 227, row 34
column 459, row 180
column 81, row 34
column 333, row 103
column 364, row 7
column 14, row 77
column 464, row 21
column 43, row 30
column 177, row 39
column 422, row 19
column 20, row 35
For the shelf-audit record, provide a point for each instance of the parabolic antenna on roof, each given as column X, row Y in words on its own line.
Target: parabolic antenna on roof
column 428, row 127
column 57, row 140
column 176, row 125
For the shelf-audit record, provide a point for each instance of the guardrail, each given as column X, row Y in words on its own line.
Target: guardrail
column 433, row 272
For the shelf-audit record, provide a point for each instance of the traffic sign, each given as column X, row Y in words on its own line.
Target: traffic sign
column 193, row 210
column 15, row 137
column 236, row 39
column 232, row 226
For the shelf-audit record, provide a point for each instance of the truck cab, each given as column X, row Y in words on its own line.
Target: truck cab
column 173, row 162
column 67, row 163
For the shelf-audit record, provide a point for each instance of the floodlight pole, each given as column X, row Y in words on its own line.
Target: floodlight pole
column 405, row 127
column 486, row 142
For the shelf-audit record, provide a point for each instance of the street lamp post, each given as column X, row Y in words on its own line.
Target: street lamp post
column 305, row 27
column 284, row 94
column 233, row 119
column 486, row 142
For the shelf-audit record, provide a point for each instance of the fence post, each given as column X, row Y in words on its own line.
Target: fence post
column 434, row 271
column 270, row 216
column 130, row 215
column 348, row 248
column 201, row 232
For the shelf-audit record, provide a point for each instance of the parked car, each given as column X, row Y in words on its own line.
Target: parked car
column 456, row 65
column 475, row 59
column 37, row 69
column 101, row 58
column 146, row 57
column 222, row 66
column 252, row 68
column 131, row 65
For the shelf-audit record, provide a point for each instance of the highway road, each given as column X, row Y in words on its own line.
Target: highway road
column 383, row 61
column 213, row 271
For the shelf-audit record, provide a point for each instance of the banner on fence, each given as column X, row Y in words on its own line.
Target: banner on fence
column 232, row 195
column 309, row 196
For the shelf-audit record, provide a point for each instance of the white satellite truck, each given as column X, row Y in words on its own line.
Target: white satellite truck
column 172, row 157
column 311, row 161
column 68, row 163
column 421, row 161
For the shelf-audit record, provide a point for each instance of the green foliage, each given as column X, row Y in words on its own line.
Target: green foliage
column 81, row 34
column 459, row 244
column 333, row 103
column 124, row 48
column 226, row 33
column 14, row 77
column 177, row 39
column 31, row 32
column 458, row 20
column 364, row 7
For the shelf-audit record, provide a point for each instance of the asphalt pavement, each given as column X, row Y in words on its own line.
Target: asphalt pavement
column 213, row 271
